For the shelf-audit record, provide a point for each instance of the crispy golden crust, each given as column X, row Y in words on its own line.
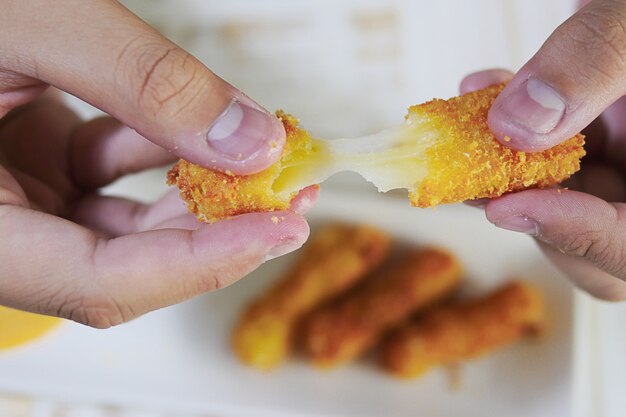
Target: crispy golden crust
column 335, row 258
column 212, row 195
column 341, row 332
column 467, row 162
column 457, row 333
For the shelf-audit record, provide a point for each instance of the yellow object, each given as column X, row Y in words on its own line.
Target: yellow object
column 335, row 259
column 444, row 152
column 344, row 330
column 458, row 333
column 19, row 327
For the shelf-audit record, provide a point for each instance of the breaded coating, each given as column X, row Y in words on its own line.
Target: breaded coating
column 333, row 260
column 467, row 162
column 212, row 195
column 341, row 332
column 443, row 153
column 458, row 333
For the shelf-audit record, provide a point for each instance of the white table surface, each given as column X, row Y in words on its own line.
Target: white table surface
column 599, row 364
column 419, row 56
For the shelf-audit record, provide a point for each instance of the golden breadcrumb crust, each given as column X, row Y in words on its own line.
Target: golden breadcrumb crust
column 333, row 260
column 212, row 195
column 344, row 330
column 467, row 162
column 453, row 334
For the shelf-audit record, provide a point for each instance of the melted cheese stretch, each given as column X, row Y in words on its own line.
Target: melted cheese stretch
column 444, row 152
column 391, row 159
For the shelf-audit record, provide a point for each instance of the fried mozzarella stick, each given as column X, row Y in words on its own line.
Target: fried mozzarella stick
column 462, row 332
column 335, row 259
column 442, row 153
column 341, row 332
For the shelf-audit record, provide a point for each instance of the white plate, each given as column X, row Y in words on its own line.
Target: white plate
column 179, row 358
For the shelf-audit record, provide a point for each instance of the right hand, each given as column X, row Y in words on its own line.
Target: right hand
column 576, row 76
column 67, row 251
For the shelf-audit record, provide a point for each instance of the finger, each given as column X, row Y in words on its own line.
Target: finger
column 141, row 79
column 574, row 223
column 104, row 150
column 119, row 216
column 116, row 216
column 586, row 276
column 305, row 200
column 10, row 191
column 34, row 139
column 39, row 195
column 578, row 72
column 482, row 79
column 103, row 282
column 17, row 90
column 185, row 221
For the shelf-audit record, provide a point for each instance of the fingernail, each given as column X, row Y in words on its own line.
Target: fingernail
column 285, row 246
column 241, row 131
column 305, row 200
column 521, row 224
column 534, row 106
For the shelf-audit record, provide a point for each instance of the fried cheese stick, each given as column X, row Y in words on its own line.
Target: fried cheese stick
column 444, row 152
column 334, row 259
column 343, row 331
column 457, row 333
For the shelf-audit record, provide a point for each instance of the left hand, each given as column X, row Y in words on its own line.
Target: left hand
column 99, row 260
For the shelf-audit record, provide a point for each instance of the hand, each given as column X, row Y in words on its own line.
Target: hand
column 579, row 73
column 98, row 260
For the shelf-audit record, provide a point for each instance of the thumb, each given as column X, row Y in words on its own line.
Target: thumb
column 103, row 282
column 574, row 223
column 105, row 55
column 577, row 73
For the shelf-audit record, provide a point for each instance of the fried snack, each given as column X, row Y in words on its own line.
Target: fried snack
column 212, row 195
column 442, row 153
column 458, row 333
column 341, row 332
column 335, row 259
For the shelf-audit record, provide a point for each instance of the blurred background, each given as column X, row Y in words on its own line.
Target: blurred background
column 347, row 68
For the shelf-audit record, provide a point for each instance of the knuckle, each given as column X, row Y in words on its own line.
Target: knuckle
column 208, row 278
column 585, row 244
column 95, row 311
column 601, row 246
column 600, row 33
column 165, row 79
column 210, row 282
